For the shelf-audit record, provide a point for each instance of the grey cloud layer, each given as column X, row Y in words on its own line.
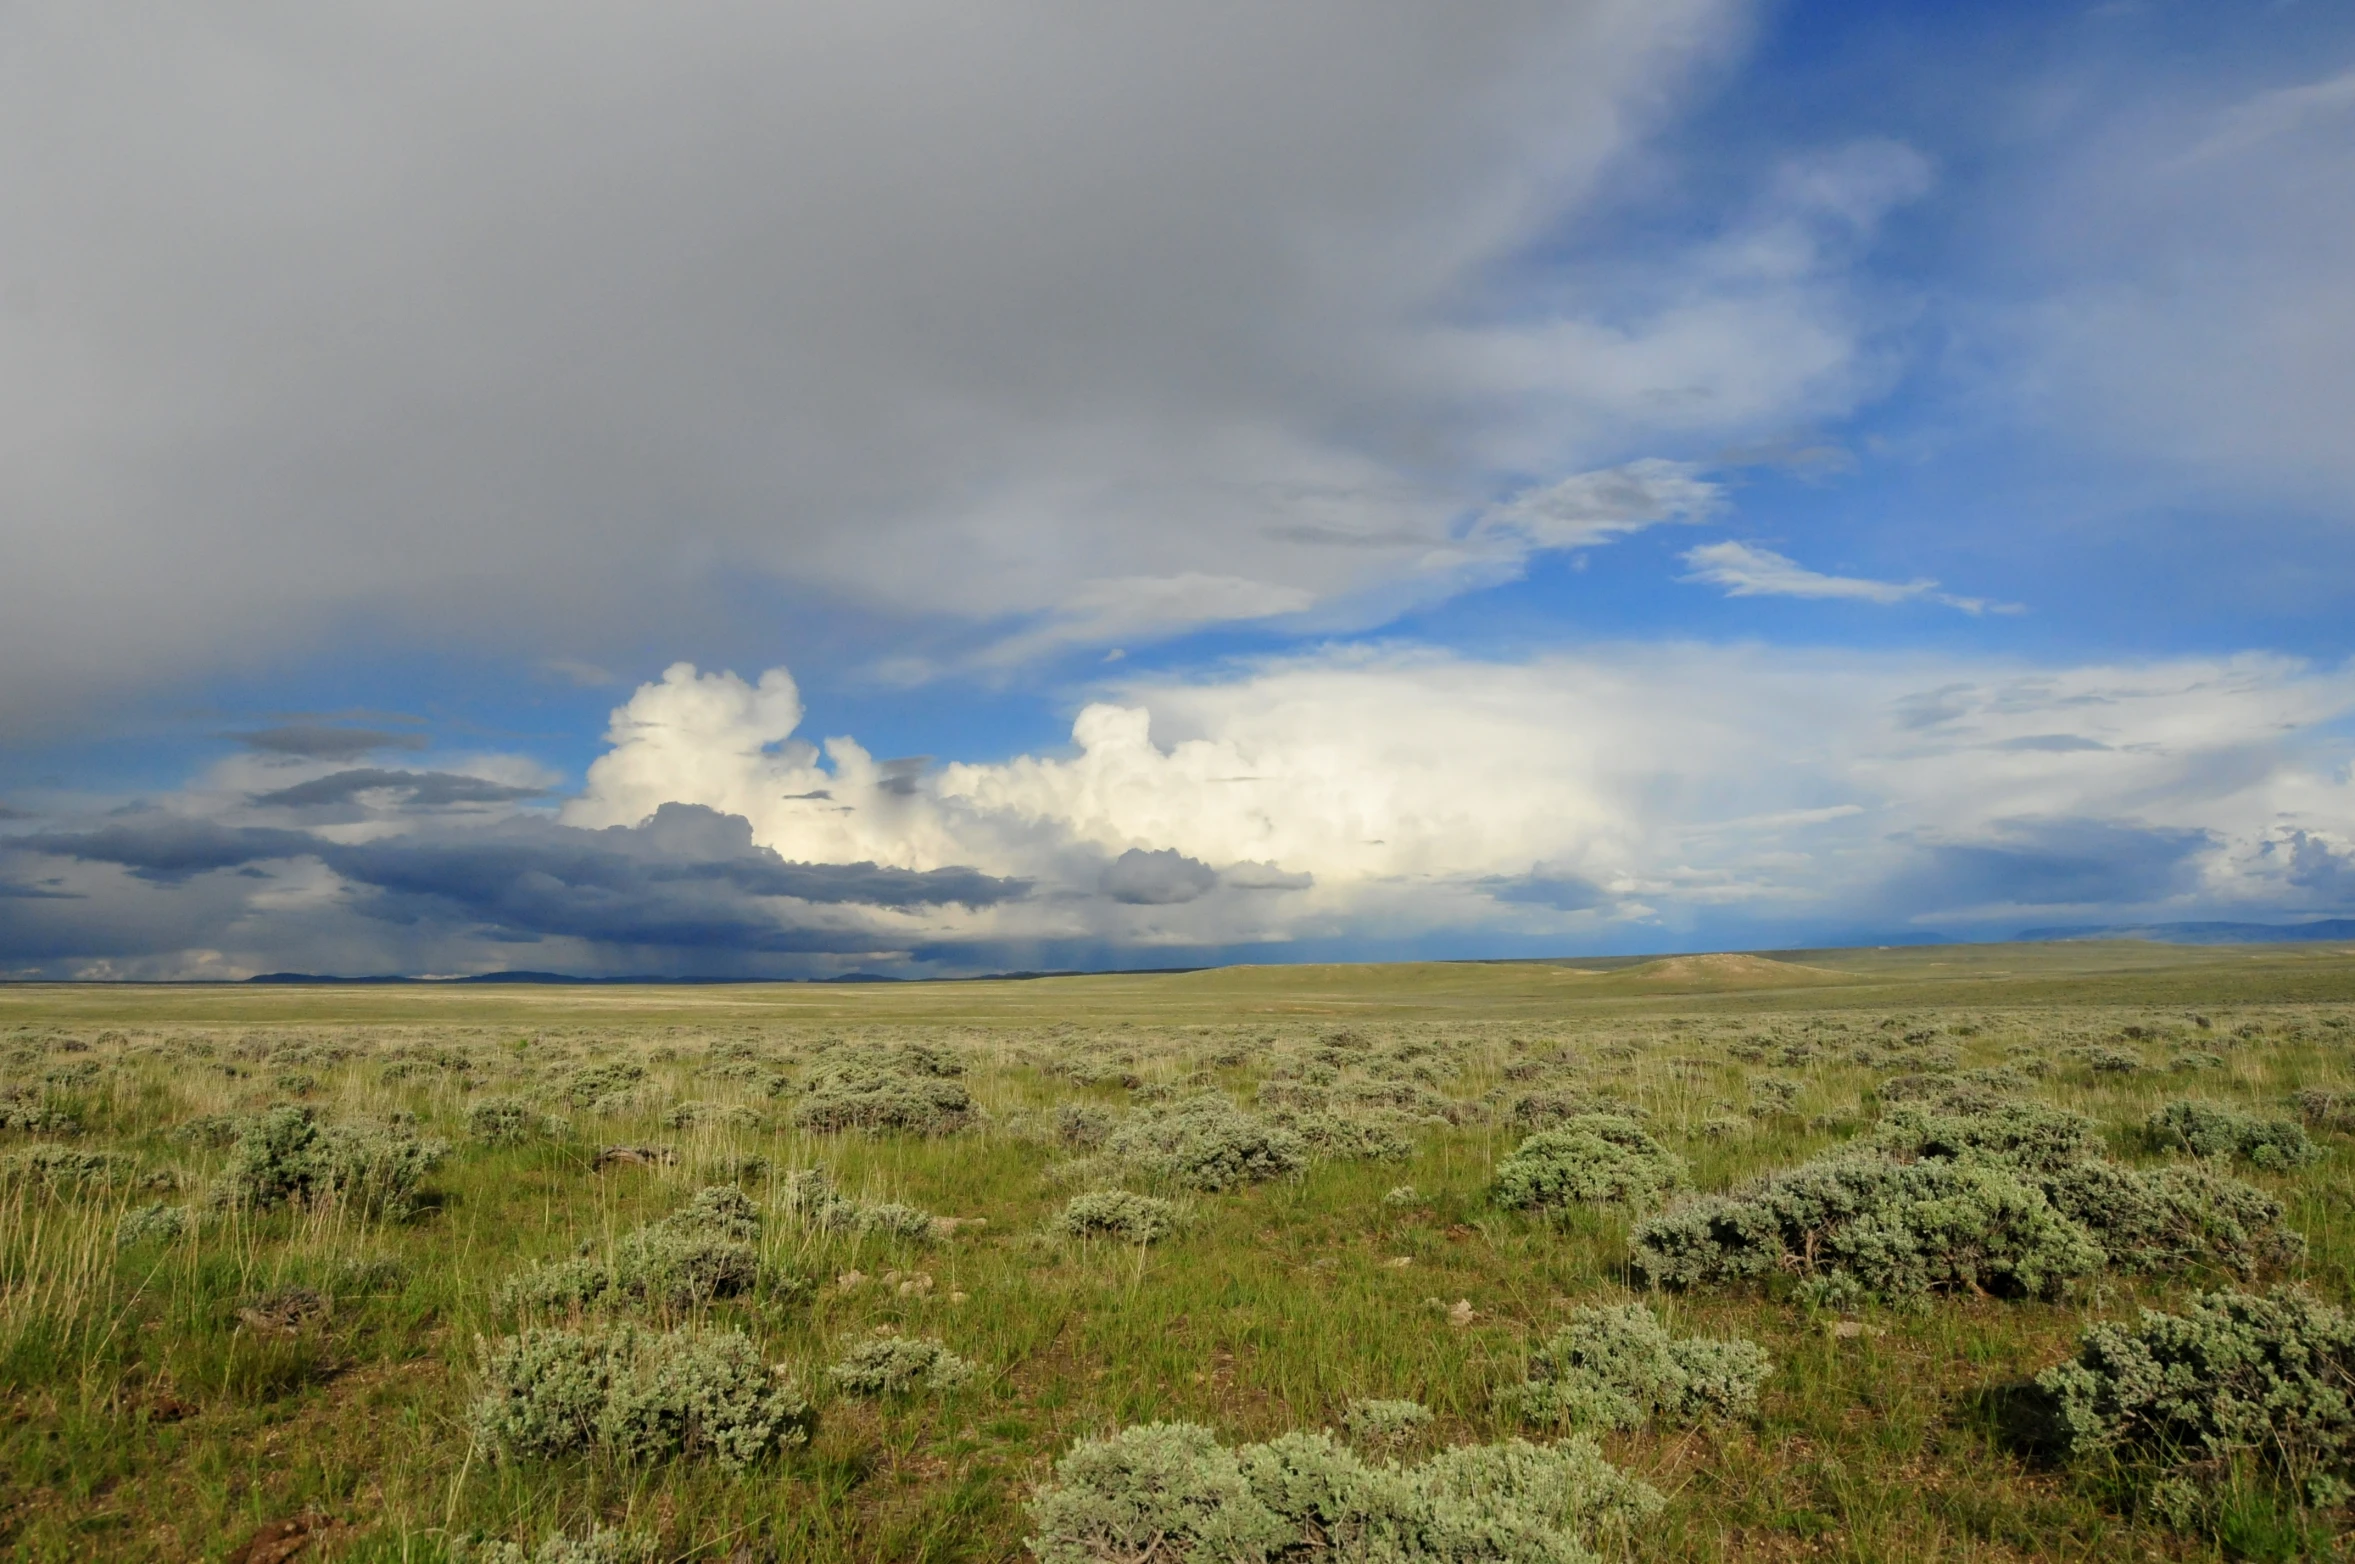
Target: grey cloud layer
column 470, row 319
column 419, row 789
column 688, row 880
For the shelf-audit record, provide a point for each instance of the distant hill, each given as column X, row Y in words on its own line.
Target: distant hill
column 544, row 977
column 2208, row 933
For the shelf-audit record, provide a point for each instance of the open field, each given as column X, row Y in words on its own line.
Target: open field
column 227, row 1328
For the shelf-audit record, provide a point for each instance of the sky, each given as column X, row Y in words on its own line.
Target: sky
column 921, row 489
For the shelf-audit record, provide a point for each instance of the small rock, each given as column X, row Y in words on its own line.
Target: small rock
column 849, row 1280
column 1462, row 1313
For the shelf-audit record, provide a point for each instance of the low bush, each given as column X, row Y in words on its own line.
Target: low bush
column 811, row 1199
column 1385, row 1423
column 2015, row 1200
column 2234, row 1375
column 706, row 1250
column 1376, row 1136
column 602, row 1088
column 2024, row 1135
column 1118, row 1214
column 1597, row 1158
column 859, row 1093
column 721, row 1115
column 1618, row 1368
column 1082, row 1125
column 1853, row 1223
column 62, row 1170
column 501, row 1121
column 150, row 1224
column 1171, row 1491
column 1549, row 1107
column 2208, row 1129
column 898, row 1366
column 288, row 1155
column 602, row 1545
column 2166, row 1220
column 1207, row 1142
column 888, row 1218
column 2327, row 1110
column 636, row 1395
column 24, row 1108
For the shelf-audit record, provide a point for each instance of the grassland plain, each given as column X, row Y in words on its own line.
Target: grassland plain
column 215, row 1343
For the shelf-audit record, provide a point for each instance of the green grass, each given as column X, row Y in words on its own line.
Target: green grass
column 147, row 1419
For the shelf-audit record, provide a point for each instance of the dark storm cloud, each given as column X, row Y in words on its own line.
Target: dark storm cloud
column 166, row 848
column 688, row 878
column 2317, row 866
column 2045, row 863
column 318, row 741
column 1164, row 878
column 1562, row 892
column 418, row 789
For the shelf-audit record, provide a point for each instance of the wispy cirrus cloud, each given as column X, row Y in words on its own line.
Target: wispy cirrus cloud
column 1745, row 570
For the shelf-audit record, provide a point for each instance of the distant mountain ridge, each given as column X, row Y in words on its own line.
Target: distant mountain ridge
column 2208, row 933
column 541, row 977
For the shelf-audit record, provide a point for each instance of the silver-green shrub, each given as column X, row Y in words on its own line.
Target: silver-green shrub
column 1853, row 1224
column 602, row 1088
column 2016, row 1200
column 1081, row 1125
column 705, row 1250
column 810, row 1198
column 1385, row 1423
column 2162, row 1220
column 288, row 1155
column 2208, row 1129
column 1364, row 1135
column 897, row 1366
column 61, row 1170
column 501, row 1121
column 2327, row 1110
column 1119, row 1214
column 1598, row 1158
column 1207, row 1142
column 722, row 1115
column 1172, row 1491
column 636, row 1395
column 913, row 1091
column 603, row 1545
column 1618, row 1367
column 150, row 1224
column 2233, row 1374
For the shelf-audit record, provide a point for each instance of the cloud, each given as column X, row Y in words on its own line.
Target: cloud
column 415, row 789
column 1747, row 571
column 1620, row 797
column 688, row 885
column 1048, row 327
column 167, row 848
column 2050, row 743
column 317, row 741
column 1264, row 877
column 2049, row 863
column 1164, row 878
column 1541, row 888
column 2192, row 318
column 2318, row 864
column 1600, row 507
